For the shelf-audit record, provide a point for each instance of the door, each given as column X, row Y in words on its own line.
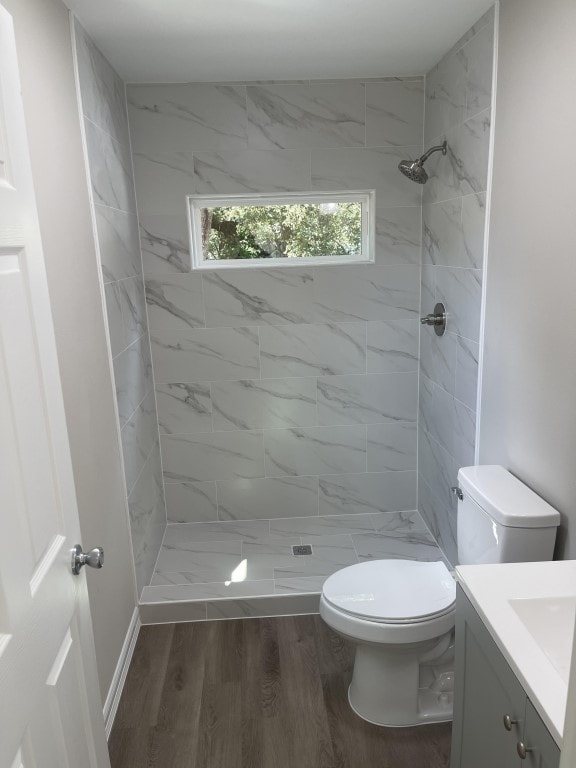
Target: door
column 50, row 710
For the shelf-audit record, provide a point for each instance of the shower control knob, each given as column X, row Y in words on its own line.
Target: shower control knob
column 94, row 558
column 431, row 320
column 436, row 319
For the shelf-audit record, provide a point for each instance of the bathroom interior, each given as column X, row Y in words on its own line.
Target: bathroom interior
column 335, row 491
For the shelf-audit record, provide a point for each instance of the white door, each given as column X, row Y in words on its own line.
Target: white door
column 50, row 710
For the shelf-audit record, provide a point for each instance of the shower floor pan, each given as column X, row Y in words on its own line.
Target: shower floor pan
column 276, row 567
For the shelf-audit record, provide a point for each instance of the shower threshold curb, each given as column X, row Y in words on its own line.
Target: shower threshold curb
column 174, row 611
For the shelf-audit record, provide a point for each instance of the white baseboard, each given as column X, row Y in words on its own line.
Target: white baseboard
column 119, row 678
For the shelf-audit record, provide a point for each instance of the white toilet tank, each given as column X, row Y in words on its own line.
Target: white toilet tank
column 500, row 520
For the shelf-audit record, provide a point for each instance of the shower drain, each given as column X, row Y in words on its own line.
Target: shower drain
column 301, row 549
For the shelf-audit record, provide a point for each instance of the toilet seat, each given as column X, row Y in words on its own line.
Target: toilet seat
column 390, row 601
column 393, row 591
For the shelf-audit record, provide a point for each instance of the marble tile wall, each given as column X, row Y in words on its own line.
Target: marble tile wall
column 110, row 165
column 283, row 392
column 457, row 109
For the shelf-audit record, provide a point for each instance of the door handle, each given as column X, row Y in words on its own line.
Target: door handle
column 94, row 558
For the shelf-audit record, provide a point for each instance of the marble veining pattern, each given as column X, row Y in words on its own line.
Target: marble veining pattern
column 205, row 117
column 184, row 408
column 346, row 294
column 163, row 180
column 202, row 561
column 261, row 297
column 315, row 450
column 133, row 377
column 367, row 399
column 147, row 517
column 311, row 350
column 270, row 404
column 398, row 235
column 205, row 354
column 165, row 244
column 391, row 446
column 118, row 242
column 458, row 108
column 252, row 171
column 392, row 346
column 295, row 116
column 103, row 98
column 367, row 492
column 175, row 303
column 253, row 367
column 215, row 456
column 268, row 498
column 394, row 113
column 367, row 168
column 288, row 398
column 110, row 170
column 105, row 123
column 191, row 502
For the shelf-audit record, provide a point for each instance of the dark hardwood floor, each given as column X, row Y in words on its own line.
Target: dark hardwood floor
column 254, row 693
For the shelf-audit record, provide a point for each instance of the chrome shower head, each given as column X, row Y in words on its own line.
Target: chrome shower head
column 414, row 169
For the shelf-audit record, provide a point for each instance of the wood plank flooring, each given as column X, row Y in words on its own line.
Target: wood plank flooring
column 254, row 693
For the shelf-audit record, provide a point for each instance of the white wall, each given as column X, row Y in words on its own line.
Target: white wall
column 46, row 69
column 528, row 405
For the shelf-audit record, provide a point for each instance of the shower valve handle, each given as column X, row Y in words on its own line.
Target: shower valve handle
column 437, row 319
column 431, row 319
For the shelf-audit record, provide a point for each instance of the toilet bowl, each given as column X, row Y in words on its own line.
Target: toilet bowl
column 400, row 614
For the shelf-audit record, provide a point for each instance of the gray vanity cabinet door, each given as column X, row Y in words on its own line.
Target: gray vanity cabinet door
column 486, row 691
column 543, row 751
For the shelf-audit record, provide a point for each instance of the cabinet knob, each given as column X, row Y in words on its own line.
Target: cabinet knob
column 523, row 750
column 508, row 722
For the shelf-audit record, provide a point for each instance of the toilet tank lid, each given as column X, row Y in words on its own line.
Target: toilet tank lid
column 505, row 498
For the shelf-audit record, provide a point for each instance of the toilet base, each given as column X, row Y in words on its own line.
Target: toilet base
column 400, row 687
column 424, row 721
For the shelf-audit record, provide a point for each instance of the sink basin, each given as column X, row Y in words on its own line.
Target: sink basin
column 550, row 621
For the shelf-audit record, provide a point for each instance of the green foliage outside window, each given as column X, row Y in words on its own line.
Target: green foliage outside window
column 282, row 231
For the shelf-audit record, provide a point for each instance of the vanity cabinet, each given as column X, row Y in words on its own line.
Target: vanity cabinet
column 493, row 717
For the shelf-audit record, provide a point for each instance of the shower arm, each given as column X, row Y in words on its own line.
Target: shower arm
column 426, row 155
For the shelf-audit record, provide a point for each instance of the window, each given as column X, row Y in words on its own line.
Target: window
column 281, row 230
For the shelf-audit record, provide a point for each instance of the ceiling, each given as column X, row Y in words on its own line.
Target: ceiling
column 222, row 40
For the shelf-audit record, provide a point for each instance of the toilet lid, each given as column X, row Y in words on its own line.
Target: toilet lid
column 392, row 591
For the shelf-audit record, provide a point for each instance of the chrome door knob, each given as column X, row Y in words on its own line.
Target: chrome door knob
column 94, row 558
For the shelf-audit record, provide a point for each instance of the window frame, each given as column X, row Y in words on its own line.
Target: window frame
column 366, row 197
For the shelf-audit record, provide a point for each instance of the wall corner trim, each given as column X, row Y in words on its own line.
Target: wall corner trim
column 119, row 677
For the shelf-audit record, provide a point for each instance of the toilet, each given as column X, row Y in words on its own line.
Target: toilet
column 400, row 613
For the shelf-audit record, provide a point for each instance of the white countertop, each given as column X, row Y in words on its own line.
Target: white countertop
column 501, row 594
